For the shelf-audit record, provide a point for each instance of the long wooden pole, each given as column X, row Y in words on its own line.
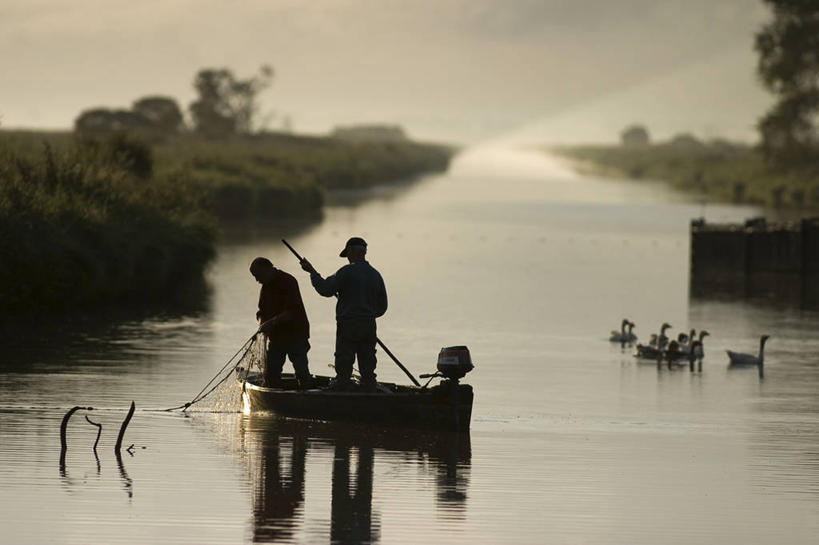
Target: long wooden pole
column 382, row 345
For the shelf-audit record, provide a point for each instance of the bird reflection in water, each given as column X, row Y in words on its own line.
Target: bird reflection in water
column 279, row 487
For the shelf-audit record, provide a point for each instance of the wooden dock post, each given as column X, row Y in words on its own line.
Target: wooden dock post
column 756, row 259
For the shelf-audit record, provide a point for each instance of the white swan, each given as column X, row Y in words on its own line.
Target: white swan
column 738, row 358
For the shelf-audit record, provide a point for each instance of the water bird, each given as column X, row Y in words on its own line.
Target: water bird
column 648, row 352
column 738, row 358
column 675, row 351
column 697, row 346
column 630, row 335
column 662, row 340
column 620, row 336
column 686, row 346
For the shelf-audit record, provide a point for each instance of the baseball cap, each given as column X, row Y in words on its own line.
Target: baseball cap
column 354, row 241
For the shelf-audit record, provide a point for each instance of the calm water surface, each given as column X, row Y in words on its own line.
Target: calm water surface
column 572, row 440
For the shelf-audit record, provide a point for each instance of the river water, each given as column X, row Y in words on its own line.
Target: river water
column 572, row 439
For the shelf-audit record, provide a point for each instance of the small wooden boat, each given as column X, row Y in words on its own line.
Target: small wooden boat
column 446, row 406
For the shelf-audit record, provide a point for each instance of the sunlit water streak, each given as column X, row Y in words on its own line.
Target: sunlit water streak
column 573, row 440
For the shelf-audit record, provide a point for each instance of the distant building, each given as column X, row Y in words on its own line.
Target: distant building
column 685, row 141
column 370, row 133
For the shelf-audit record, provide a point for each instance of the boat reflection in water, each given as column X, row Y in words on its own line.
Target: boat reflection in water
column 280, row 451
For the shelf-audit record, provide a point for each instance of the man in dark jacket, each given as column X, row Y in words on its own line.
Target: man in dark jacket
column 283, row 320
column 362, row 298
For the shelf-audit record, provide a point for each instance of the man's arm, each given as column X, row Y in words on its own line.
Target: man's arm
column 327, row 287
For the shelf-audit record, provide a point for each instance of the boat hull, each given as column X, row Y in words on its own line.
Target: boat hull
column 447, row 406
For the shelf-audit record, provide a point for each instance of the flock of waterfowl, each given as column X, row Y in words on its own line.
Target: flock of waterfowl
column 685, row 348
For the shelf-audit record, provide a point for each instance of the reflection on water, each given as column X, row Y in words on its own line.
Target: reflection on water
column 280, row 449
column 572, row 440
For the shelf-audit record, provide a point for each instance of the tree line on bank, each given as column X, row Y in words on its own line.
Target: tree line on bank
column 225, row 105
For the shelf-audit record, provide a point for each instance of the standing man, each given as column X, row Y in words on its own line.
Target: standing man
column 283, row 320
column 362, row 298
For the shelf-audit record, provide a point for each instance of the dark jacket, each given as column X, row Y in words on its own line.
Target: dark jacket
column 360, row 289
column 281, row 296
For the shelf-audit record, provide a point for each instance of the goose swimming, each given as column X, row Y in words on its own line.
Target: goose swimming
column 738, row 358
column 676, row 349
column 689, row 340
column 630, row 336
column 620, row 336
column 697, row 346
column 662, row 340
column 648, row 352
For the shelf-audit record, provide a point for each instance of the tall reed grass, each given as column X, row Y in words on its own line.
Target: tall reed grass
column 80, row 227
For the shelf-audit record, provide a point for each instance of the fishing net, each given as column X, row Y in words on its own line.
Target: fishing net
column 227, row 395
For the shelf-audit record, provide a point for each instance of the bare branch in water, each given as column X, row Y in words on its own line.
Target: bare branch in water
column 99, row 431
column 122, row 428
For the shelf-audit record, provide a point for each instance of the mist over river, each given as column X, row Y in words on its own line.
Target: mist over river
column 572, row 439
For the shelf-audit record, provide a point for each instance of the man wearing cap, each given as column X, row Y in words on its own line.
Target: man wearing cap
column 362, row 298
column 283, row 320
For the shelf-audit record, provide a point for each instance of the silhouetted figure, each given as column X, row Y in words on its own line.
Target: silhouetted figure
column 283, row 320
column 362, row 298
column 279, row 497
column 351, row 518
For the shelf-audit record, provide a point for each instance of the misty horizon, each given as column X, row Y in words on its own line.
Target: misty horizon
column 455, row 71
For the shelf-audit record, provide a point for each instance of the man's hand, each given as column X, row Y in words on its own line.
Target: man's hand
column 305, row 265
column 267, row 327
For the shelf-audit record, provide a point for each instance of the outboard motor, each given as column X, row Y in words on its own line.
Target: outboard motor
column 454, row 362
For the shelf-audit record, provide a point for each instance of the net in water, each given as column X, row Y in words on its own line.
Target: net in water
column 227, row 397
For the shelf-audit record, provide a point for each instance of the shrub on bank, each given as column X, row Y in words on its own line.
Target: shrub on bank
column 77, row 230
column 274, row 175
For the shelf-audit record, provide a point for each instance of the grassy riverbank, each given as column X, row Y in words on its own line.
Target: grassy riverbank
column 717, row 172
column 89, row 221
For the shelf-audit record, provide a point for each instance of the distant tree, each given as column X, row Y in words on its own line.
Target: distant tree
column 163, row 112
column 373, row 133
column 685, row 141
column 105, row 120
column 227, row 105
column 788, row 65
column 634, row 135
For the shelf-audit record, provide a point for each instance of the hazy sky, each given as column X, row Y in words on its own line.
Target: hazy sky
column 447, row 69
